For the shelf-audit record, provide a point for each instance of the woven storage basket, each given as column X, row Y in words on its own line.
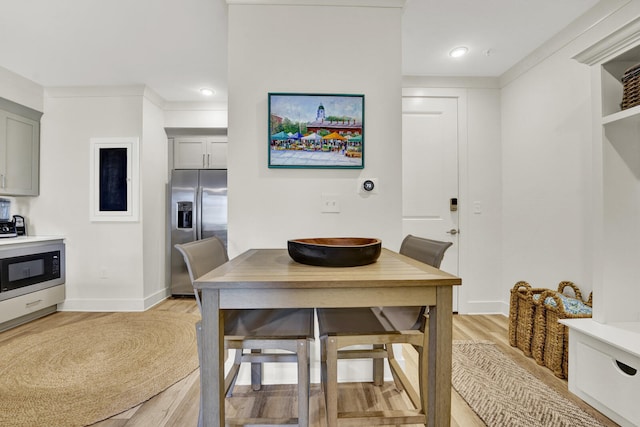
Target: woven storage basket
column 631, row 87
column 539, row 324
column 522, row 315
column 539, row 332
column 551, row 337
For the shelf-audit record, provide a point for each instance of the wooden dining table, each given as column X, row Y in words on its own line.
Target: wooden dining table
column 269, row 278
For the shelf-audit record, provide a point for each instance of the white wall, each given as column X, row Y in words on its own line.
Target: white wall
column 269, row 206
column 481, row 258
column 130, row 255
column 110, row 266
column 153, row 180
column 547, row 166
column 546, row 138
column 195, row 115
column 21, row 90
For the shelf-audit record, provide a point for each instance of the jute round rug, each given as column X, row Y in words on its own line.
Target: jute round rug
column 81, row 373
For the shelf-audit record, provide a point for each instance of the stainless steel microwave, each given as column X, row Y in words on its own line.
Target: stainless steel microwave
column 31, row 268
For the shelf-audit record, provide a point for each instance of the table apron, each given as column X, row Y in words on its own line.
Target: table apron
column 326, row 297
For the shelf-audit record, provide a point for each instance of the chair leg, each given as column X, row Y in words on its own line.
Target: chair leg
column 303, row 382
column 256, row 373
column 199, row 344
column 391, row 358
column 378, row 368
column 323, row 367
column 423, row 370
column 331, row 389
column 232, row 376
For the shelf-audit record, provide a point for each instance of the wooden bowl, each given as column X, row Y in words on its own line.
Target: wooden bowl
column 335, row 251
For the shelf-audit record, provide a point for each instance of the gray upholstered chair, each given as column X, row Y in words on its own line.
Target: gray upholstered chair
column 380, row 327
column 257, row 331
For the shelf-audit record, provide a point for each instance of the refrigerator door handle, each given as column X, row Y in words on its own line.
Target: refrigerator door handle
column 198, row 222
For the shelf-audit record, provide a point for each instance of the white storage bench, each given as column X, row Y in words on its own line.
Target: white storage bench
column 604, row 367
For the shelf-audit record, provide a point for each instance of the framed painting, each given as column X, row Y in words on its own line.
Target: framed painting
column 308, row 130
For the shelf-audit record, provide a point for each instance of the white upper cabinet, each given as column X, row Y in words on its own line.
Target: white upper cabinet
column 200, row 152
column 19, row 150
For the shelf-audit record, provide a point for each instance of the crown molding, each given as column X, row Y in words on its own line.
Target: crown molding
column 334, row 3
column 94, row 91
column 602, row 11
column 450, row 82
column 620, row 40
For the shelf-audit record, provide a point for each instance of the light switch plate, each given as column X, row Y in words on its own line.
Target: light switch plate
column 330, row 203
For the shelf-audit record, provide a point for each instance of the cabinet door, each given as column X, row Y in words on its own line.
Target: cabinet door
column 189, row 153
column 216, row 153
column 200, row 152
column 20, row 146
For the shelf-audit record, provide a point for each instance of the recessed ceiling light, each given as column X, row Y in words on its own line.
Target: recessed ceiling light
column 459, row 51
column 207, row 91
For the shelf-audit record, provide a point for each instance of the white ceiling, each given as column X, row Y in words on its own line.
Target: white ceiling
column 178, row 46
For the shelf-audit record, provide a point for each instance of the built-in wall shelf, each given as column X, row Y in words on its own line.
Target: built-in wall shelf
column 616, row 175
column 630, row 115
column 604, row 352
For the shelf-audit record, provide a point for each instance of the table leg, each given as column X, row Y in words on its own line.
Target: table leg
column 212, row 367
column 440, row 347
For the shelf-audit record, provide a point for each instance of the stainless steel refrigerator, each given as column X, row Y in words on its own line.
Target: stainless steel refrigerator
column 198, row 209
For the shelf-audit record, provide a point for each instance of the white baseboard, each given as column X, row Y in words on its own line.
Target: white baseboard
column 484, row 307
column 157, row 298
column 115, row 304
column 111, row 305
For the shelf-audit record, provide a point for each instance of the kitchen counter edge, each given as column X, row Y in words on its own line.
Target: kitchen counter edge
column 7, row 241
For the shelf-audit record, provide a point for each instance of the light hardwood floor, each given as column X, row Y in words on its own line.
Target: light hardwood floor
column 178, row 405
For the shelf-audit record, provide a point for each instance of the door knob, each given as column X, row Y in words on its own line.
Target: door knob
column 452, row 231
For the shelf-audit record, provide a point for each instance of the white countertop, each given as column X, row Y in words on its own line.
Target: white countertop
column 5, row 241
column 624, row 335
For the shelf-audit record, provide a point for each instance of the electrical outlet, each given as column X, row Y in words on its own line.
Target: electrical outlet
column 330, row 203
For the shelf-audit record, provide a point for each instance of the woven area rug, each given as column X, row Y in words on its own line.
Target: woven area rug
column 505, row 394
column 81, row 373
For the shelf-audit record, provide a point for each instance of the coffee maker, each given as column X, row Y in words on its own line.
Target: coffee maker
column 21, row 225
column 7, row 225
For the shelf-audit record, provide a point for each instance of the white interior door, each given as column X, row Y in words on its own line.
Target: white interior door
column 430, row 173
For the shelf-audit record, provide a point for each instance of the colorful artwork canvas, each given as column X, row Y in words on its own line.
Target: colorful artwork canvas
column 316, row 131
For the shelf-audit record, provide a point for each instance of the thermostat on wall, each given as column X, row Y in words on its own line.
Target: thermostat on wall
column 368, row 186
